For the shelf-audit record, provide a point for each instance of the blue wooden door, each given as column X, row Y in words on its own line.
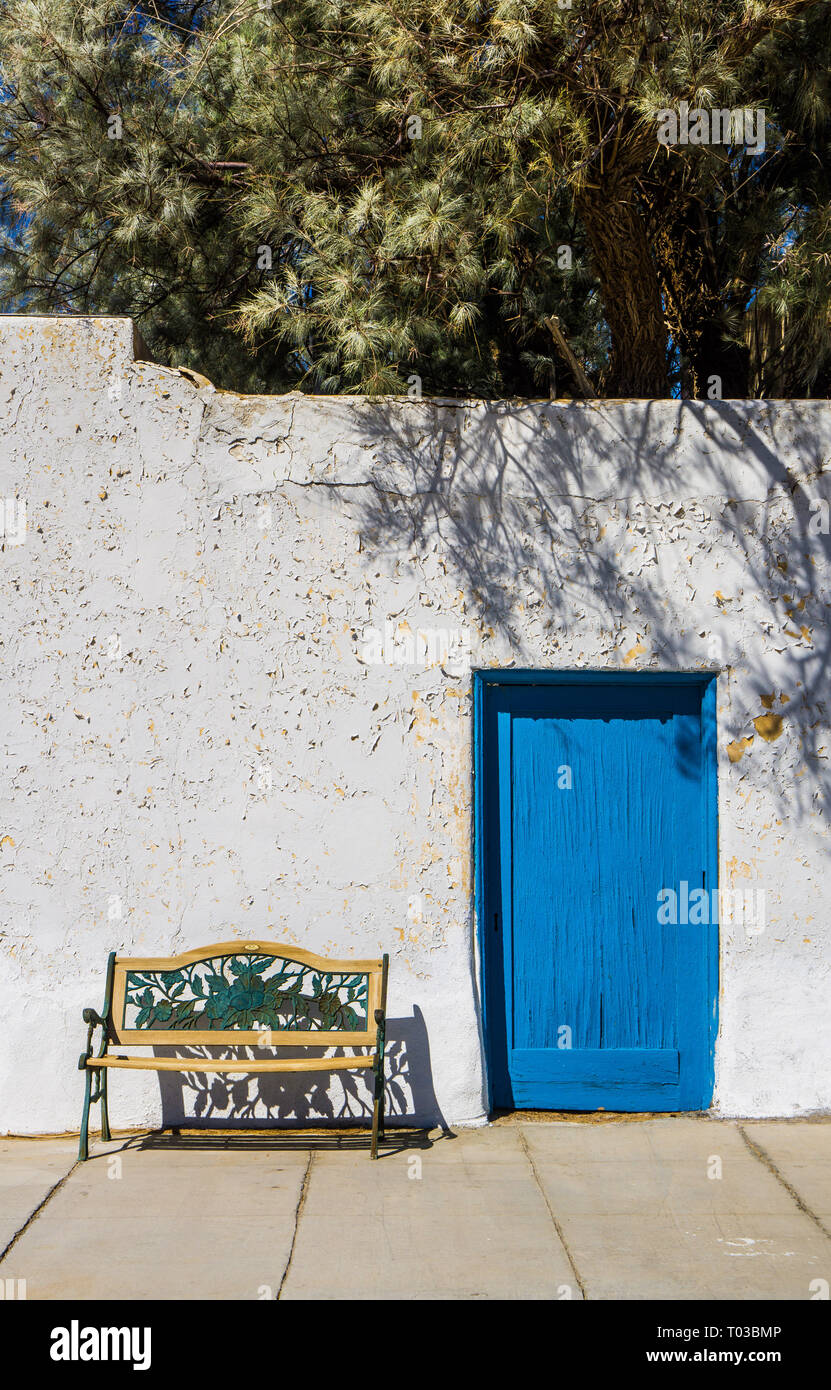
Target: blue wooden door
column 597, row 798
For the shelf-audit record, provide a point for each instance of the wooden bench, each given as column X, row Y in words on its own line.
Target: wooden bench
column 239, row 993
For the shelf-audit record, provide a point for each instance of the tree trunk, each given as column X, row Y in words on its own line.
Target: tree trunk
column 694, row 295
column 713, row 356
column 629, row 286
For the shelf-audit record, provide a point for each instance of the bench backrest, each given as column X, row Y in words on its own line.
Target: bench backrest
column 246, row 992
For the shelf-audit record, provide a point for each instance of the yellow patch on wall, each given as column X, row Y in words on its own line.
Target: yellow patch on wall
column 736, row 749
column 768, row 726
column 735, row 870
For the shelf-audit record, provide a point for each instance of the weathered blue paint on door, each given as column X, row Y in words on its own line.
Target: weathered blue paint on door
column 594, row 795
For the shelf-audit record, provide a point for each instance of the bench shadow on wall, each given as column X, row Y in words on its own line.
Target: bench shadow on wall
column 300, row 1100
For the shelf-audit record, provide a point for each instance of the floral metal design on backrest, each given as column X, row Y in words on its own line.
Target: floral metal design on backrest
column 247, row 992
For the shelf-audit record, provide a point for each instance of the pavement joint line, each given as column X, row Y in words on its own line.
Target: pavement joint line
column 38, row 1209
column 765, row 1158
column 557, row 1227
column 298, row 1212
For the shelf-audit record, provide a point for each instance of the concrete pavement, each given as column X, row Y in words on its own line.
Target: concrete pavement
column 674, row 1207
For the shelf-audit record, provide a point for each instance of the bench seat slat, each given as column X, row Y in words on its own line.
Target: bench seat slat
column 246, row 1065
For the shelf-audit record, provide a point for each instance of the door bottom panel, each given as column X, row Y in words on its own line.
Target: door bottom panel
column 580, row 1078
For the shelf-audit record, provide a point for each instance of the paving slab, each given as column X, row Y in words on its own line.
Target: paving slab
column 164, row 1223
column 666, row 1208
column 801, row 1151
column 463, row 1220
column 29, row 1169
column 675, row 1208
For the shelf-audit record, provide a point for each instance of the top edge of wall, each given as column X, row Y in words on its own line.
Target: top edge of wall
column 131, row 346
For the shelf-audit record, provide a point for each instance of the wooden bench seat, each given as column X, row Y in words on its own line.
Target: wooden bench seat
column 242, row 1064
column 238, row 994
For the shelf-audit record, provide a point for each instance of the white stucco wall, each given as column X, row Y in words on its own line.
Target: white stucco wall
column 185, row 621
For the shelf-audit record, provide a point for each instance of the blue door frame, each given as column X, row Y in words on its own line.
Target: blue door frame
column 556, row 1079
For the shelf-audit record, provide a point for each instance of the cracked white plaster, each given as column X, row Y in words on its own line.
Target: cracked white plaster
column 196, row 748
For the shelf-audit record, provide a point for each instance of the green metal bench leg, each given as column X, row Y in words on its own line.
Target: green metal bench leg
column 83, row 1146
column 380, row 1044
column 105, row 1114
column 377, row 1115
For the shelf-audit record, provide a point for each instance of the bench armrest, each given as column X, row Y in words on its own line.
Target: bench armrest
column 93, row 1019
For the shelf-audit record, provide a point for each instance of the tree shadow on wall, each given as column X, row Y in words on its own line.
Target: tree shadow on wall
column 580, row 534
column 300, row 1100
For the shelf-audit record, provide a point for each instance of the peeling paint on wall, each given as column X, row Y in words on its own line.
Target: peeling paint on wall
column 736, row 748
column 768, row 726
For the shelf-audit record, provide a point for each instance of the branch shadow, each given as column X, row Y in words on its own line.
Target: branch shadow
column 556, row 517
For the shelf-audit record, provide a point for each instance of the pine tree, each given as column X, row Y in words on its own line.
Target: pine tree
column 454, row 197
